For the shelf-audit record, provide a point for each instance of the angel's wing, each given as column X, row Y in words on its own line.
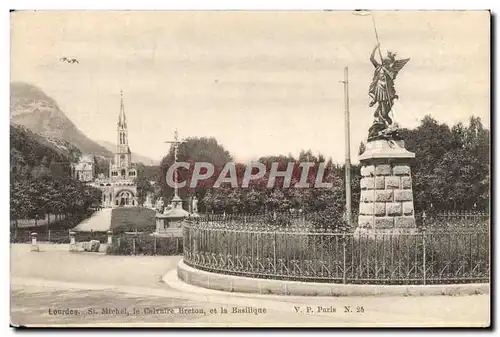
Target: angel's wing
column 398, row 65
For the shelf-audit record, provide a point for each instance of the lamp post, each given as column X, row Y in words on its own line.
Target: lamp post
column 348, row 211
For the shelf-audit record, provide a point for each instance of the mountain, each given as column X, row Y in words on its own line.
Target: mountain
column 136, row 158
column 34, row 155
column 33, row 109
column 61, row 147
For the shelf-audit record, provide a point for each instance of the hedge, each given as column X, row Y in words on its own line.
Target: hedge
column 143, row 244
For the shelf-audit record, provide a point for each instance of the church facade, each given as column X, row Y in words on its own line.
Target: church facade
column 119, row 189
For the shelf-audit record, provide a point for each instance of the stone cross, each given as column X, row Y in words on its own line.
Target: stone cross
column 175, row 143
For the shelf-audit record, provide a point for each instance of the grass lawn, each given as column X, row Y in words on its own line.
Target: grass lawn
column 131, row 218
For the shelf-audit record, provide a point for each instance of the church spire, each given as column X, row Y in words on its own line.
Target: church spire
column 122, row 120
column 122, row 137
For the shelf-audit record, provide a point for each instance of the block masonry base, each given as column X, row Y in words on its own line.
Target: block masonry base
column 386, row 198
column 382, row 234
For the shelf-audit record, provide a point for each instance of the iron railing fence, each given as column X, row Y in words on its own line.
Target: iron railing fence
column 296, row 249
column 453, row 218
column 299, row 221
column 265, row 221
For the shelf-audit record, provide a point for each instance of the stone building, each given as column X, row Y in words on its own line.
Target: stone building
column 84, row 169
column 120, row 187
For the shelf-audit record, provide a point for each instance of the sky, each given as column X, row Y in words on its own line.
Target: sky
column 261, row 83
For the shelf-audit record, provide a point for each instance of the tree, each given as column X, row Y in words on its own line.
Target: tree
column 451, row 169
column 277, row 201
column 145, row 175
column 253, row 201
column 194, row 150
column 101, row 166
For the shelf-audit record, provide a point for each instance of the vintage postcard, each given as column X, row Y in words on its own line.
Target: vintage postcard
column 250, row 169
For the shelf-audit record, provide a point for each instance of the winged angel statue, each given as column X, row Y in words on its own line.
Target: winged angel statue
column 383, row 93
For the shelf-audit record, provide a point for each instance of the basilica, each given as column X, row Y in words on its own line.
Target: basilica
column 119, row 188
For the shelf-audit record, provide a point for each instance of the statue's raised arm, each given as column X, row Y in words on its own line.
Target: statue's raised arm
column 372, row 56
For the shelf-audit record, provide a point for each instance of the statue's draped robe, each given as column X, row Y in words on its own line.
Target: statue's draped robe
column 382, row 90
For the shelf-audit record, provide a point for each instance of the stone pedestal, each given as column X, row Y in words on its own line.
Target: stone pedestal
column 72, row 242
column 170, row 222
column 386, row 201
column 34, row 244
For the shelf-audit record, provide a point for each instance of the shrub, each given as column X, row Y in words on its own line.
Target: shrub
column 145, row 245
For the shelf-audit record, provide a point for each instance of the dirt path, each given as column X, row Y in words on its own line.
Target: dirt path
column 100, row 221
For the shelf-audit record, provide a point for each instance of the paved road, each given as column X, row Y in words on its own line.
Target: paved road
column 100, row 221
column 87, row 283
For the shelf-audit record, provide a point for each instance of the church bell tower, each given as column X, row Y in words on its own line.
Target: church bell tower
column 120, row 190
column 122, row 167
column 122, row 155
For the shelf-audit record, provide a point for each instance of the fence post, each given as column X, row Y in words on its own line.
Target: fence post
column 72, row 241
column 133, row 245
column 274, row 252
column 110, row 237
column 177, row 245
column 195, row 243
column 423, row 247
column 48, row 237
column 344, row 259
column 154, row 247
column 34, row 244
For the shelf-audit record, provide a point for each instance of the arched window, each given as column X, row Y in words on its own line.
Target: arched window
column 123, row 172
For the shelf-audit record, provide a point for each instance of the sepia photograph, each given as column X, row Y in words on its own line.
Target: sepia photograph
column 224, row 168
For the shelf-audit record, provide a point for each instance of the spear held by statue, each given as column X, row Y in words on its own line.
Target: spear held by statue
column 382, row 91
